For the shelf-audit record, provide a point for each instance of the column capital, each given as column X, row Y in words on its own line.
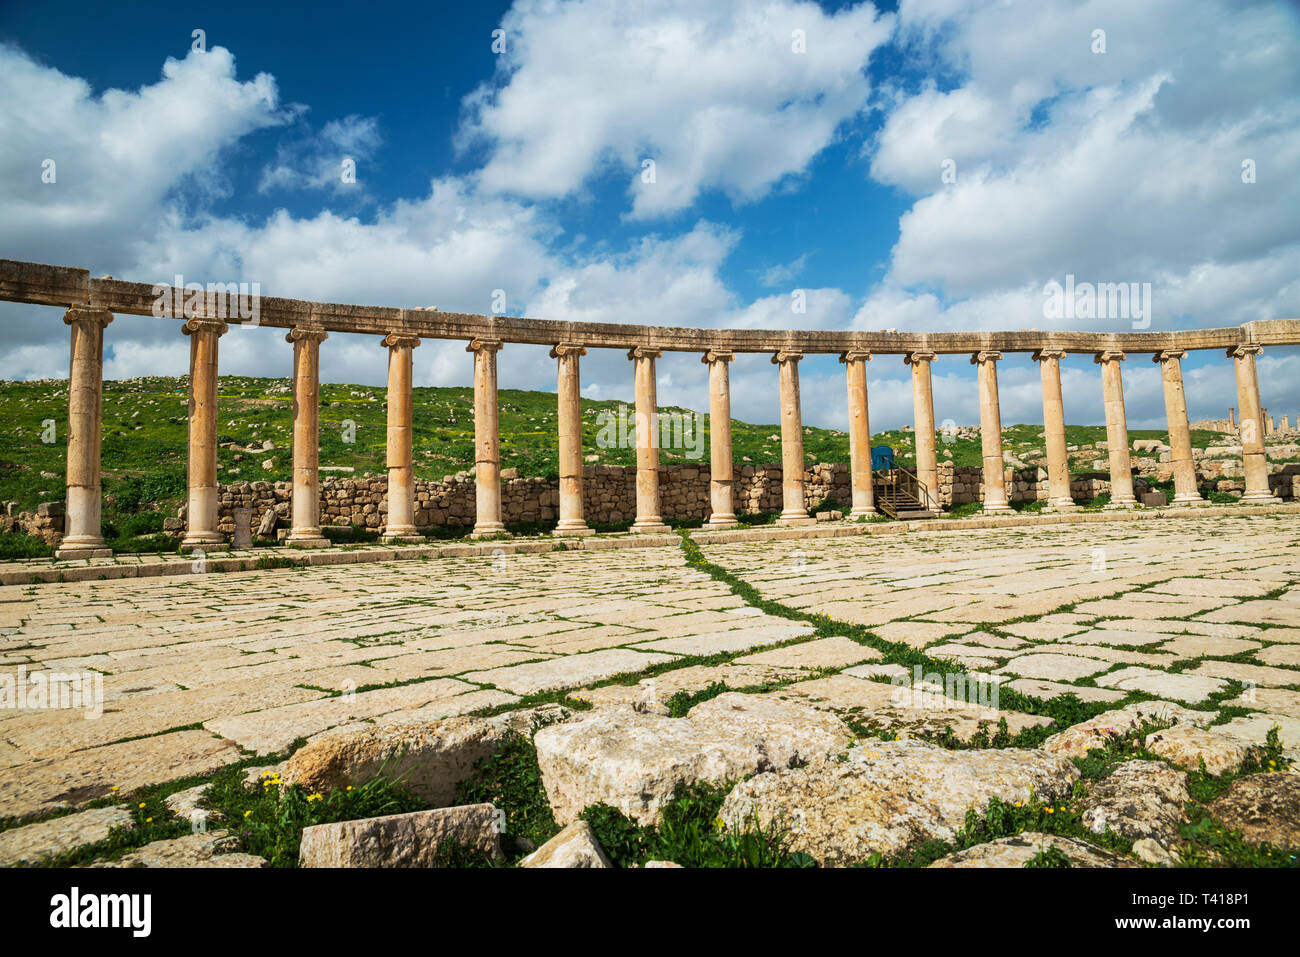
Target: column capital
column 191, row 326
column 717, row 355
column 1109, row 355
column 985, row 356
column 1167, row 354
column 921, row 355
column 1041, row 355
column 1246, row 349
column 644, row 352
column 306, row 334
column 855, row 355
column 568, row 349
column 87, row 314
column 485, row 345
column 786, row 355
column 396, row 340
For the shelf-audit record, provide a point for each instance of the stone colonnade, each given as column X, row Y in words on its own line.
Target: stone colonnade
column 83, row 536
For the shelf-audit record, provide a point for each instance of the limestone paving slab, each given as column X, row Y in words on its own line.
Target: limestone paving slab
column 568, row 672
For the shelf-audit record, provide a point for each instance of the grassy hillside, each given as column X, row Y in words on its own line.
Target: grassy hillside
column 144, row 443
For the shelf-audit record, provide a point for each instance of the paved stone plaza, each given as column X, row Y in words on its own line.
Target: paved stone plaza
column 200, row 671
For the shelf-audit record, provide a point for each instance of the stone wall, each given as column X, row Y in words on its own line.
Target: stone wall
column 609, row 492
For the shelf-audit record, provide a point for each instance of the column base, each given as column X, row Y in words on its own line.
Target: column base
column 720, row 521
column 83, row 549
column 306, row 538
column 1118, row 503
column 577, row 530
column 650, row 526
column 1260, row 498
column 862, row 512
column 997, row 508
column 401, row 539
column 796, row 518
column 488, row 530
column 1188, row 500
column 1063, row 505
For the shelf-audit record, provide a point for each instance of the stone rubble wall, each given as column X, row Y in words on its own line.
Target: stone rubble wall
column 610, row 492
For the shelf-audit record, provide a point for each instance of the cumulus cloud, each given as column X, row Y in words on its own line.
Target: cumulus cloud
column 733, row 97
column 1122, row 166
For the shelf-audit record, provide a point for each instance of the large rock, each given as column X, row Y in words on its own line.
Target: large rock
column 28, row 844
column 575, row 846
column 1139, row 799
column 428, row 760
column 400, row 840
column 890, row 796
column 204, row 849
column 1187, row 747
column 1265, row 808
column 1077, row 740
column 1019, row 849
column 634, row 761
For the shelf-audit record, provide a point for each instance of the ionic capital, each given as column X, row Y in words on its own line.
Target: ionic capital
column 1108, row 355
column 914, row 358
column 484, row 345
column 1043, row 355
column 306, row 334
column 982, row 357
column 717, row 355
column 644, row 352
column 786, row 356
column 568, row 349
column 77, row 314
column 855, row 355
column 400, row 340
column 1247, row 349
column 1168, row 354
column 213, row 326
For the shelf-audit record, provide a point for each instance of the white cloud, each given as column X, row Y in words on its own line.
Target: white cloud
column 1117, row 167
column 714, row 94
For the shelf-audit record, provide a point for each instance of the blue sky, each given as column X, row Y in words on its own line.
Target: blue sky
column 777, row 170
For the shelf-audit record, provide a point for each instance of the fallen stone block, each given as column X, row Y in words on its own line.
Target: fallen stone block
column 1187, row 746
column 401, row 840
column 890, row 796
column 1077, row 740
column 1139, row 799
column 575, row 846
column 635, row 761
column 1017, row 850
column 1265, row 808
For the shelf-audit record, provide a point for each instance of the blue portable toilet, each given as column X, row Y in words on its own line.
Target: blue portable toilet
column 882, row 458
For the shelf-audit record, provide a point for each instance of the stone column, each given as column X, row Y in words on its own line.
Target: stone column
column 1252, row 425
column 649, row 519
column 400, row 526
column 305, row 530
column 995, row 478
column 794, row 511
column 927, row 461
column 569, row 394
column 1058, row 459
column 82, row 536
column 855, row 369
column 487, row 440
column 1121, row 468
column 721, row 469
column 1180, row 434
column 204, row 492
